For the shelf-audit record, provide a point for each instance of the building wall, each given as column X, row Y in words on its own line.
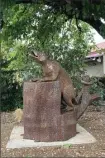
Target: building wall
column 96, row 70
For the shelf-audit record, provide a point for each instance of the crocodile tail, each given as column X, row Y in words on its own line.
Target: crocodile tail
column 18, row 115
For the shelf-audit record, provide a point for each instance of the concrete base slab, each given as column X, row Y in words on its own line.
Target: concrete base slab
column 17, row 141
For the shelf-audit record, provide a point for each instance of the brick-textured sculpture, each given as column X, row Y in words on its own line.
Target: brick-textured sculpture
column 44, row 119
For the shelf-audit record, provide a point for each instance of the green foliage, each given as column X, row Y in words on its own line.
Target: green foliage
column 67, row 145
column 11, row 92
column 35, row 27
column 32, row 27
column 88, row 11
column 99, row 88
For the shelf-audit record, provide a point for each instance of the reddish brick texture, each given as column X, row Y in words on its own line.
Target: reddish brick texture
column 43, row 120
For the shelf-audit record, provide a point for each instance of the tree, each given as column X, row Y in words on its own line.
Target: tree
column 89, row 11
column 31, row 26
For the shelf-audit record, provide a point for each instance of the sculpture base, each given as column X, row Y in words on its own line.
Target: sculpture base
column 16, row 139
column 63, row 129
column 43, row 120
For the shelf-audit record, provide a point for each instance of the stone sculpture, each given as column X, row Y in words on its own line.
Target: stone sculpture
column 43, row 117
column 52, row 71
column 43, row 120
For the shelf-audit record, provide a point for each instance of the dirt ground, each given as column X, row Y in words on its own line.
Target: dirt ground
column 93, row 121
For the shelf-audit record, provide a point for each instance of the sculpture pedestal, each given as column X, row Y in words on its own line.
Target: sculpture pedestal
column 43, row 120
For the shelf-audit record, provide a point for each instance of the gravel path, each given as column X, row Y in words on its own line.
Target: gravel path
column 92, row 121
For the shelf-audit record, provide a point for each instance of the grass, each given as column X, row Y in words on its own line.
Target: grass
column 67, row 145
